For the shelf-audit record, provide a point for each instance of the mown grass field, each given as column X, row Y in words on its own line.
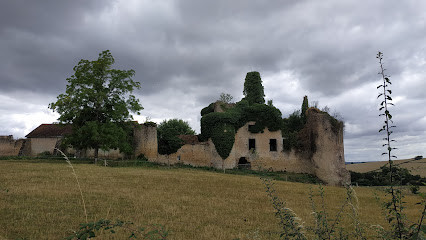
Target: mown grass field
column 416, row 167
column 42, row 201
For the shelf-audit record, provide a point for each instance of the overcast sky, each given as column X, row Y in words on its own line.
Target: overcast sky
column 185, row 53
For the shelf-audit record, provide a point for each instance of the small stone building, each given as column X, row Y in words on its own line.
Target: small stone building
column 45, row 138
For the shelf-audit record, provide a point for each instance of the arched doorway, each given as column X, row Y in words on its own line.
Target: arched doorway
column 243, row 163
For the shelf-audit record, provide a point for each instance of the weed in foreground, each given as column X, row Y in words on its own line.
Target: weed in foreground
column 393, row 208
column 89, row 230
column 327, row 228
column 291, row 227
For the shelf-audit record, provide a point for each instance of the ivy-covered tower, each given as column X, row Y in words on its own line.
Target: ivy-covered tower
column 253, row 88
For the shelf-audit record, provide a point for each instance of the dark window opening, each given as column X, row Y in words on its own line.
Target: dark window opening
column 273, row 145
column 242, row 160
column 251, row 127
column 252, row 144
column 243, row 163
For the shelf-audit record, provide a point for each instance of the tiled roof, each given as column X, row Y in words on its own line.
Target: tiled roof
column 50, row 130
column 189, row 139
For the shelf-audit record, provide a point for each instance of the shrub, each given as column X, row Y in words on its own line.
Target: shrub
column 253, row 88
column 168, row 132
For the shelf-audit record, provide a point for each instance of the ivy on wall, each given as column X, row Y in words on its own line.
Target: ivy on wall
column 223, row 137
column 253, row 88
column 222, row 126
column 208, row 109
column 297, row 131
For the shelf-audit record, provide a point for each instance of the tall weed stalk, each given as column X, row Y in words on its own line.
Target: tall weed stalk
column 89, row 230
column 394, row 207
column 291, row 228
column 327, row 228
column 78, row 182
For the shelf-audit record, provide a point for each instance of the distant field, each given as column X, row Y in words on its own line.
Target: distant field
column 42, row 201
column 416, row 167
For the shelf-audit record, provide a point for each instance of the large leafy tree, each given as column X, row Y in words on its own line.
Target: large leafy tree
column 168, row 132
column 98, row 102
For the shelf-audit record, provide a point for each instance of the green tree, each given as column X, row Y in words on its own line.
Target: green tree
column 253, row 88
column 98, row 103
column 168, row 132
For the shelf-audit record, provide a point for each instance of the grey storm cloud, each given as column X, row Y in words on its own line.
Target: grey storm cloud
column 185, row 53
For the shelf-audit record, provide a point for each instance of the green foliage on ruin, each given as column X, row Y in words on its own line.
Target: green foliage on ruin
column 305, row 106
column 208, row 109
column 293, row 125
column 222, row 126
column 223, row 137
column 168, row 132
column 98, row 102
column 214, row 124
column 253, row 88
column 290, row 130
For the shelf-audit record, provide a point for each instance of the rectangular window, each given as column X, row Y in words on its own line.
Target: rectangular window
column 251, row 128
column 252, row 144
column 273, row 145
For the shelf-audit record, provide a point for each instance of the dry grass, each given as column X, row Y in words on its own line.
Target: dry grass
column 42, row 201
column 415, row 167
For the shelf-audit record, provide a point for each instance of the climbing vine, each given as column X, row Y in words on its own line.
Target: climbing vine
column 222, row 126
column 208, row 109
column 253, row 88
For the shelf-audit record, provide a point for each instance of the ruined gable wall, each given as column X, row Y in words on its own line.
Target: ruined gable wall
column 262, row 148
column 329, row 158
column 39, row 145
column 9, row 146
column 263, row 158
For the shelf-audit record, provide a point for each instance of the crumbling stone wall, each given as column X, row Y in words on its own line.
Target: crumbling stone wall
column 201, row 154
column 90, row 153
column 9, row 146
column 322, row 153
column 328, row 158
column 145, row 141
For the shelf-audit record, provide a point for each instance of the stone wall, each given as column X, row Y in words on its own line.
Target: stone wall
column 329, row 158
column 90, row 153
column 145, row 141
column 9, row 146
column 262, row 146
column 322, row 154
column 40, row 145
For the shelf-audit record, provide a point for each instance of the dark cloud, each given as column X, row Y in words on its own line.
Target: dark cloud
column 185, row 53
